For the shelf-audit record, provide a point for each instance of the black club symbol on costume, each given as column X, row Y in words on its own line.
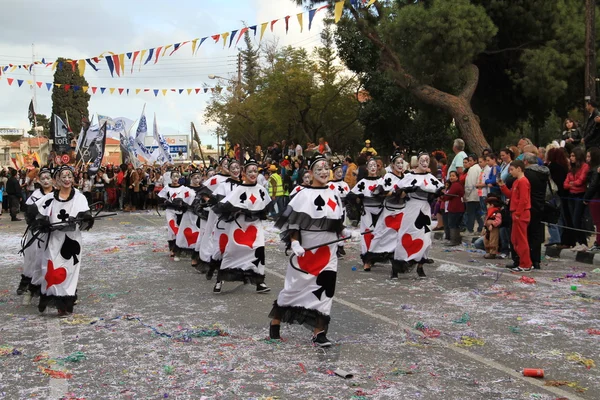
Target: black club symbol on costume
column 63, row 216
column 361, row 186
column 388, row 182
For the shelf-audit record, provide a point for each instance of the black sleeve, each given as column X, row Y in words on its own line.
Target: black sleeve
column 592, row 186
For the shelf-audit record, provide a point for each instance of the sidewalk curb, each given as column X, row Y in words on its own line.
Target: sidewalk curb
column 579, row 256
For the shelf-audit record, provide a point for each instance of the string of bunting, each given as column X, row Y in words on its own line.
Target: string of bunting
column 116, row 63
column 98, row 90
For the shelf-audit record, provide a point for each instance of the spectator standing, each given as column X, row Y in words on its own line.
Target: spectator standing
column 459, row 155
column 276, row 152
column 591, row 133
column 14, row 194
column 368, row 149
column 351, row 172
column 592, row 195
column 472, row 196
column 454, row 209
column 538, row 180
column 576, row 184
column 276, row 191
column 299, row 152
column 559, row 167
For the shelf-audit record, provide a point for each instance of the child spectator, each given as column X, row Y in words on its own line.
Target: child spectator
column 494, row 174
column 493, row 220
column 454, row 209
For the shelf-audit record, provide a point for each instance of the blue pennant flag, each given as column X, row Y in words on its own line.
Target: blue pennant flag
column 91, row 64
column 150, row 53
column 254, row 29
column 155, row 92
column 311, row 15
column 129, row 55
column 111, row 65
column 20, row 82
column 102, row 89
column 49, row 86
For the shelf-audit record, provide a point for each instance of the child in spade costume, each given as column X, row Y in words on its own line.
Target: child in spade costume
column 414, row 235
column 365, row 194
column 242, row 242
column 174, row 195
column 385, row 235
column 204, row 246
column 32, row 274
column 221, row 225
column 314, row 217
column 198, row 215
column 342, row 188
column 62, row 214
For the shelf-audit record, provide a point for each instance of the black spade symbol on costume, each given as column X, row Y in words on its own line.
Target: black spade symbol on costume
column 259, row 253
column 243, row 197
column 47, row 203
column 423, row 221
column 361, row 186
column 435, row 182
column 414, row 182
column 319, row 202
column 388, row 182
column 326, row 280
column 262, row 194
column 70, row 249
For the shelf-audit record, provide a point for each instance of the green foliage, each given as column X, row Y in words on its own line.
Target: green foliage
column 71, row 102
column 250, row 60
column 42, row 122
column 295, row 96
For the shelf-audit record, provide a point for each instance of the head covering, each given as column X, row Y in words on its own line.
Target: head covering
column 397, row 154
column 285, row 163
column 62, row 168
column 249, row 162
column 335, row 166
column 45, row 170
column 195, row 172
column 223, row 158
column 313, row 161
column 272, row 168
column 234, row 160
column 367, row 141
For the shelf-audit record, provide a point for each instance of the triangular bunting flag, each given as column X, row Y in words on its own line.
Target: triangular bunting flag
column 102, row 89
column 233, row 33
column 122, row 63
column 180, row 91
column 206, row 90
column 20, row 82
column 111, row 90
column 158, row 49
column 58, row 85
column 225, row 36
column 127, row 92
column 117, row 62
column 263, row 27
column 194, row 45
column 135, row 54
column 129, row 55
column 142, row 58
column 155, row 92
column 273, row 23
column 242, row 32
column 76, row 88
column 176, row 47
column 216, row 38
column 111, row 65
column 81, row 67
column 73, row 64
column 337, row 12
column 94, row 88
column 89, row 61
column 10, row 81
column 85, row 89
column 48, row 86
column 189, row 91
column 137, row 91
column 150, row 53
column 121, row 90
column 370, row 3
column 30, row 82
column 164, row 92
column 197, row 90
column 300, row 21
column 311, row 15
column 254, row 29
column 287, row 23
column 39, row 84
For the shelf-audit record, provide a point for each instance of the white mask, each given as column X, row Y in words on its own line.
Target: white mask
column 251, row 174
column 398, row 165
column 196, row 180
column 424, row 162
column 225, row 167
column 372, row 167
column 234, row 169
column 306, row 179
column 46, row 180
column 175, row 175
column 338, row 173
column 65, row 179
column 321, row 172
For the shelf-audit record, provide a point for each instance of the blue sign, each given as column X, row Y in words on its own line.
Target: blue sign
column 172, row 149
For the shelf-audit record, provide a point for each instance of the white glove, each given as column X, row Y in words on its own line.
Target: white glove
column 297, row 249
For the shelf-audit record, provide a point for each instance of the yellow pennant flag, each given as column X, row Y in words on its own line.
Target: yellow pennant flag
column 225, row 36
column 81, row 67
column 337, row 13
column 142, row 58
column 85, row 89
column 263, row 28
column 30, row 82
column 370, row 2
column 122, row 63
column 137, row 91
column 165, row 49
column 58, row 85
column 194, row 46
column 54, row 64
column 189, row 91
column 13, row 68
column 111, row 90
column 164, row 92
column 300, row 21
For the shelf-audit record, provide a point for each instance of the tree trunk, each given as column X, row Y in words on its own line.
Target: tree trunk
column 468, row 125
column 590, row 50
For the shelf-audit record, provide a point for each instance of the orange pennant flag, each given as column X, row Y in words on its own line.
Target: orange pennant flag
column 273, row 23
column 216, row 38
column 157, row 54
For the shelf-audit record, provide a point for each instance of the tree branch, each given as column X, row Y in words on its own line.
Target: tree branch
column 471, row 84
column 518, row 48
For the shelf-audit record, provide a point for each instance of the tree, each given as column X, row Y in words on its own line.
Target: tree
column 43, row 122
column 69, row 99
column 428, row 49
column 250, row 61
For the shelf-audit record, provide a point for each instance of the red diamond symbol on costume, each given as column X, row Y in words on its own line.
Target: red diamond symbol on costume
column 298, row 189
column 332, row 186
column 187, row 194
column 213, row 181
column 332, row 204
column 252, row 198
column 425, row 182
column 174, row 195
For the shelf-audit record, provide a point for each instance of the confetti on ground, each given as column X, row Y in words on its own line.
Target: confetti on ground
column 9, row 351
column 593, row 331
column 467, row 341
column 574, row 385
column 587, row 362
column 463, row 319
column 527, row 280
column 55, row 374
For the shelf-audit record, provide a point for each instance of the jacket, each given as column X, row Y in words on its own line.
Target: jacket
column 591, row 133
column 519, row 195
column 471, row 194
column 454, row 196
column 579, row 180
column 538, row 181
column 12, row 187
column 494, row 216
column 593, row 191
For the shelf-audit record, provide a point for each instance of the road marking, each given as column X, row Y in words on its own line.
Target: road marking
column 58, row 387
column 466, row 353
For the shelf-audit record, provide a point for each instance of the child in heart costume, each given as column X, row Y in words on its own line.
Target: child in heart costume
column 365, row 194
column 204, row 246
column 174, row 195
column 31, row 278
column 242, row 243
column 189, row 227
column 199, row 209
column 414, row 235
column 221, row 226
column 385, row 235
column 313, row 217
column 62, row 214
column 337, row 183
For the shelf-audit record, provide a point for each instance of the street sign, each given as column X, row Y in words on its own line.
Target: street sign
column 65, row 159
column 57, row 160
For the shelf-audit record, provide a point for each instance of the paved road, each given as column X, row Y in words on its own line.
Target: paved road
column 149, row 328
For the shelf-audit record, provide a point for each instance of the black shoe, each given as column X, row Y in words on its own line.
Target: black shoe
column 421, row 272
column 43, row 303
column 512, row 265
column 16, row 219
column 394, row 275
column 23, row 285
column 341, row 251
column 262, row 288
column 274, row 332
column 321, row 340
column 217, row 288
column 536, row 265
column 209, row 274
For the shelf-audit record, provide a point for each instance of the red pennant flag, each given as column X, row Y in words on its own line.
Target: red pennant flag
column 74, row 64
column 216, row 38
column 135, row 54
column 197, row 90
column 94, row 88
column 121, row 90
column 273, row 23
column 117, row 63
column 39, row 84
column 157, row 54
column 287, row 25
column 10, row 81
column 244, row 30
column 67, row 87
column 96, row 60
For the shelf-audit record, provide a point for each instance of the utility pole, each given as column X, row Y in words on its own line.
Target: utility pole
column 590, row 50
column 238, row 93
column 33, row 87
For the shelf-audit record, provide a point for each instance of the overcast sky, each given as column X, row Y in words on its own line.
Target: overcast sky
column 79, row 29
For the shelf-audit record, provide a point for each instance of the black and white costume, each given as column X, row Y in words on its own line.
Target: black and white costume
column 372, row 206
column 175, row 205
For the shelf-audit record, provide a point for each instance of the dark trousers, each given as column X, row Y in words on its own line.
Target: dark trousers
column 474, row 214
column 13, row 205
column 454, row 219
column 535, row 237
column 576, row 211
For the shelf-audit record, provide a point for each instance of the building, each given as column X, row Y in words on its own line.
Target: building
column 22, row 152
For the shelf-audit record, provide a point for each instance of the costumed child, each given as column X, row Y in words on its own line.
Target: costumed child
column 221, row 224
column 312, row 218
column 204, row 246
column 189, row 227
column 414, row 235
column 174, row 195
column 199, row 208
column 363, row 194
column 337, row 183
column 493, row 220
column 242, row 243
column 62, row 214
column 31, row 276
column 385, row 234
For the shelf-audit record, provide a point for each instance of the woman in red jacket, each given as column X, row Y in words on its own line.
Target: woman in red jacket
column 576, row 184
column 454, row 208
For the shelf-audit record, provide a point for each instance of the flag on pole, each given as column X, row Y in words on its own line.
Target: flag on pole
column 61, row 136
column 140, row 134
column 97, row 151
column 31, row 112
column 162, row 144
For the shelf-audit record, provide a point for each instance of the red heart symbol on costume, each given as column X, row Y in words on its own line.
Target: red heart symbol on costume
column 411, row 246
column 223, row 239
column 173, row 226
column 246, row 238
column 371, row 188
column 368, row 237
column 54, row 276
column 190, row 236
column 313, row 263
column 394, row 221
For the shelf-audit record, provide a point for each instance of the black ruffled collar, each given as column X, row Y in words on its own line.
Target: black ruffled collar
column 57, row 195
